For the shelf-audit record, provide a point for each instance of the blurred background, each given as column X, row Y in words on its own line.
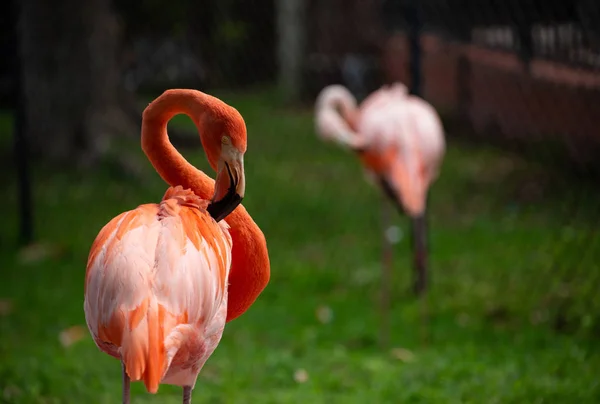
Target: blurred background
column 513, row 310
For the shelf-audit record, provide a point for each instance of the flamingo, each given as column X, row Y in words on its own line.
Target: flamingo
column 162, row 280
column 399, row 140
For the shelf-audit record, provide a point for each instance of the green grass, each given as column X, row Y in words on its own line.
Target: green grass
column 513, row 306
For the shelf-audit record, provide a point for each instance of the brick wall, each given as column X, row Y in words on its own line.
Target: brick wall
column 494, row 90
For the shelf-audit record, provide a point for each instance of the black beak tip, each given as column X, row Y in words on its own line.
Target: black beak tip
column 219, row 210
column 359, row 150
column 391, row 194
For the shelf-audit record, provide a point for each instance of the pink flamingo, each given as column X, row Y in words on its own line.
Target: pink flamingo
column 163, row 279
column 399, row 140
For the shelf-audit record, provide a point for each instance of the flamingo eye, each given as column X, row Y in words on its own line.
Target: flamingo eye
column 225, row 140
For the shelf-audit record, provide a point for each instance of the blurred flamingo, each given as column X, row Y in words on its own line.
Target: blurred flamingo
column 156, row 288
column 400, row 142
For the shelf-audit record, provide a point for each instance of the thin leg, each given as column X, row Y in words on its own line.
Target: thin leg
column 421, row 275
column 187, row 395
column 126, row 384
column 419, row 225
column 386, row 273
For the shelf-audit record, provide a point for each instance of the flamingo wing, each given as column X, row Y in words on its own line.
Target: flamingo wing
column 156, row 291
column 428, row 132
column 406, row 136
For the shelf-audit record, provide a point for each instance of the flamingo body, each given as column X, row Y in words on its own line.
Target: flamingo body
column 156, row 291
column 163, row 279
column 399, row 140
column 399, row 137
column 406, row 145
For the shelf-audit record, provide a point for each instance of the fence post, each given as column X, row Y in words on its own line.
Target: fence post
column 419, row 224
column 20, row 136
column 290, row 47
column 414, row 40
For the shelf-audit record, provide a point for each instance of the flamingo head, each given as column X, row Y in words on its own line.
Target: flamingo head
column 335, row 116
column 225, row 151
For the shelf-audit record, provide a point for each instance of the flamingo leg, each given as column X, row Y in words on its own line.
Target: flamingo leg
column 419, row 241
column 386, row 272
column 187, row 395
column 126, row 385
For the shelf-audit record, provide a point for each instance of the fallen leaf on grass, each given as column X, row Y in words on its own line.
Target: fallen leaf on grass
column 6, row 307
column 39, row 252
column 403, row 354
column 324, row 314
column 301, row 376
column 71, row 335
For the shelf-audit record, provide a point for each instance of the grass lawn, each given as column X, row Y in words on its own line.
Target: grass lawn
column 513, row 306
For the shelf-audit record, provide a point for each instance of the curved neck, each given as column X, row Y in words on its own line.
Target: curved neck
column 342, row 121
column 343, row 103
column 347, row 111
column 250, row 266
column 168, row 162
column 338, row 99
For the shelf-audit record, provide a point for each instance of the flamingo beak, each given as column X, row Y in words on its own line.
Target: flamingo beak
column 230, row 186
column 391, row 193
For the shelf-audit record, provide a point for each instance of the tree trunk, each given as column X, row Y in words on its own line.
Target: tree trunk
column 291, row 33
column 71, row 78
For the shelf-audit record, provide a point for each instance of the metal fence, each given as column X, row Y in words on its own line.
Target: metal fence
column 520, row 71
column 557, row 30
column 524, row 74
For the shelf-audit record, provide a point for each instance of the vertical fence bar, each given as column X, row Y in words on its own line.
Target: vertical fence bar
column 21, row 146
column 419, row 236
column 291, row 27
column 415, row 26
column 419, row 225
